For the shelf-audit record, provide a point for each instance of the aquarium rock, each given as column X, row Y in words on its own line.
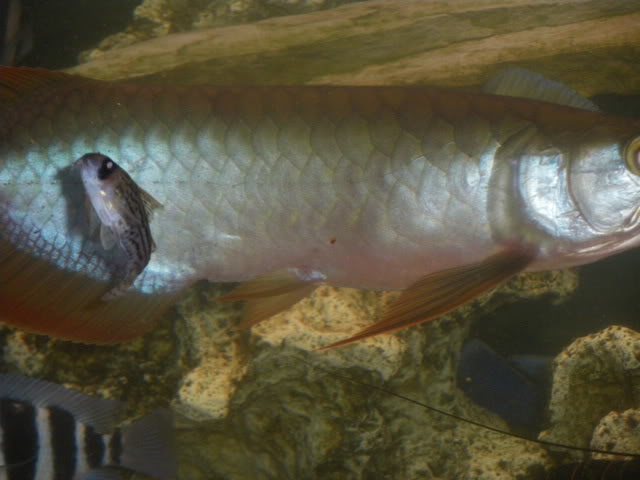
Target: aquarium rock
column 274, row 405
column 617, row 431
column 595, row 378
column 157, row 18
column 145, row 372
column 377, row 43
column 269, row 408
column 210, row 355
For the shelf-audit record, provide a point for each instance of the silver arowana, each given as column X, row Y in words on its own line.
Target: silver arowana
column 443, row 194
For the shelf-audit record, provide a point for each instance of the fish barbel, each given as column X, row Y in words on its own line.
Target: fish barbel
column 439, row 193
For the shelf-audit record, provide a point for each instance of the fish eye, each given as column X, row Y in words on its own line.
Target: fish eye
column 632, row 156
column 107, row 167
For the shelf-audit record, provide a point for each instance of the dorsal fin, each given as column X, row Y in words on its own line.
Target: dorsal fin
column 149, row 202
column 517, row 82
column 14, row 82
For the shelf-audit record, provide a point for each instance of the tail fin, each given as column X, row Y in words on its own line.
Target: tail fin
column 148, row 446
column 38, row 296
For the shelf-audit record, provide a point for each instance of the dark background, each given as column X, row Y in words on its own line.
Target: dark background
column 64, row 28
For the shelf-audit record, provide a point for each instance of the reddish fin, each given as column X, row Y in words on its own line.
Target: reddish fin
column 36, row 296
column 441, row 292
column 263, row 308
column 14, row 82
column 269, row 295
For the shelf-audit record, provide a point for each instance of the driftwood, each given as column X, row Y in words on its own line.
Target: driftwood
column 592, row 45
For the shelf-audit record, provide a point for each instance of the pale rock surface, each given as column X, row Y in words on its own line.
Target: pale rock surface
column 294, row 415
column 145, row 372
column 212, row 358
column 617, row 431
column 156, row 18
column 594, row 378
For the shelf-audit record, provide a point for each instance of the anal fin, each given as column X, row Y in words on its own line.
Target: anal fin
column 107, row 237
column 41, row 298
column 268, row 295
column 443, row 291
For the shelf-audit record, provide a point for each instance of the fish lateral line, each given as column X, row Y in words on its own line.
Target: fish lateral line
column 468, row 421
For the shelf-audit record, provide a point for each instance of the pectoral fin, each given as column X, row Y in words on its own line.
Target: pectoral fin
column 441, row 292
column 107, row 237
column 268, row 295
column 149, row 202
column 93, row 221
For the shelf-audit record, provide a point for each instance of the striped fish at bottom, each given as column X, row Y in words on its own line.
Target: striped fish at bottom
column 48, row 432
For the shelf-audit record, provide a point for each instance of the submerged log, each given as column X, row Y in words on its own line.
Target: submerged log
column 592, row 45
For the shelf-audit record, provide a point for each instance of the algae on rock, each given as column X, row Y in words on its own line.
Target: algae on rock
column 292, row 415
column 593, row 377
column 156, row 18
column 591, row 45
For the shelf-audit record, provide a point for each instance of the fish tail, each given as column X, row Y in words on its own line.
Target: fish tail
column 148, row 446
column 38, row 297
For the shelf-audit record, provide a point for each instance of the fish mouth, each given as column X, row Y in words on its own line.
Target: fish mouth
column 87, row 160
column 79, row 163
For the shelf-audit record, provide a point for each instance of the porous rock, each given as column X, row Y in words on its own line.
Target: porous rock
column 273, row 405
column 145, row 372
column 619, row 432
column 295, row 414
column 594, row 378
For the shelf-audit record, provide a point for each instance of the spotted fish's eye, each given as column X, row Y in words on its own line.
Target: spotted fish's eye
column 632, row 156
column 107, row 167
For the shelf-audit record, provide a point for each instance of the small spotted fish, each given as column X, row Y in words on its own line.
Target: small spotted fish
column 123, row 210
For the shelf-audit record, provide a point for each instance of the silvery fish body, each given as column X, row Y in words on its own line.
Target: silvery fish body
column 367, row 187
column 49, row 432
column 123, row 210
